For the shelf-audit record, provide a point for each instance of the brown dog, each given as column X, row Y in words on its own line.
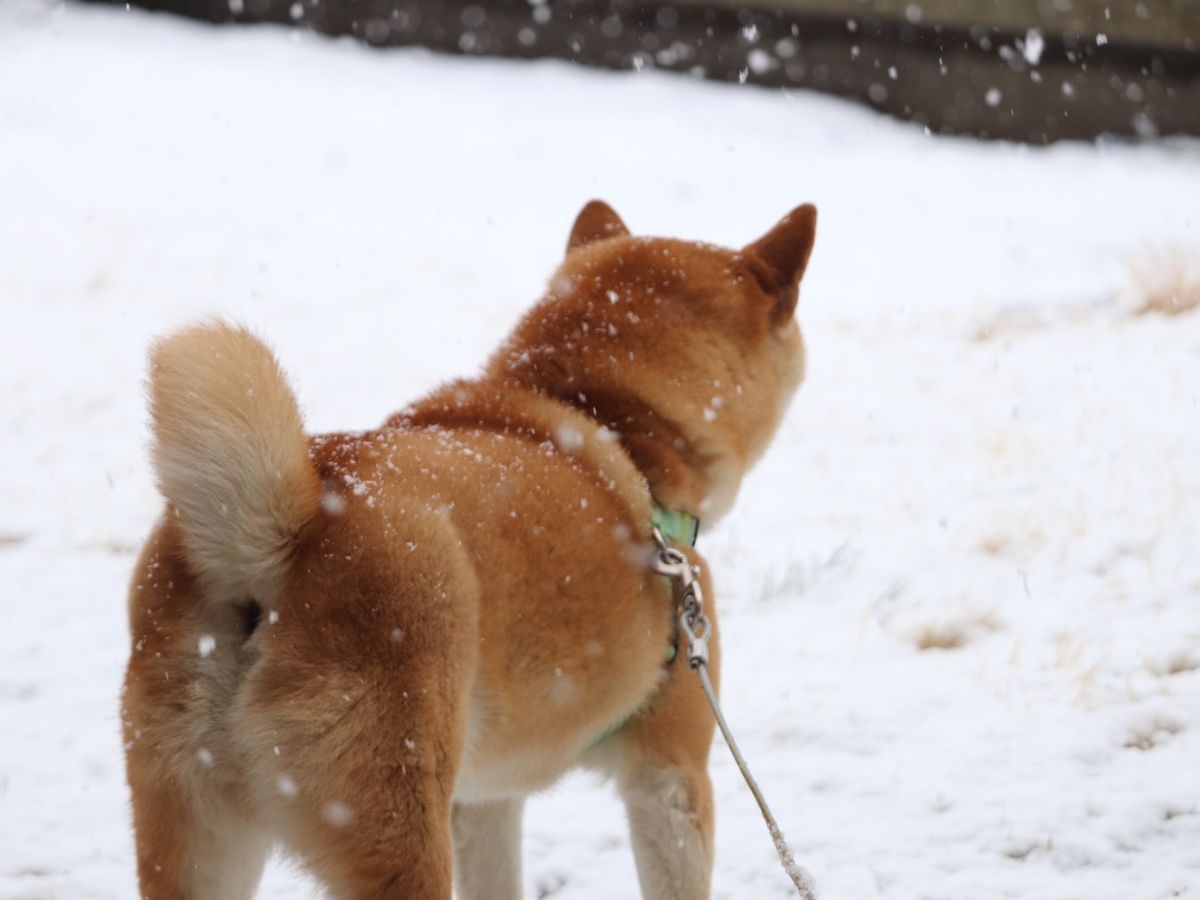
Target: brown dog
column 371, row 647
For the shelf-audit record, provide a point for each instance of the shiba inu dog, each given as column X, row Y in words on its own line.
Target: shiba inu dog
column 371, row 647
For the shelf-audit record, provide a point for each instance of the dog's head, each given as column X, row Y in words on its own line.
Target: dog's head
column 687, row 351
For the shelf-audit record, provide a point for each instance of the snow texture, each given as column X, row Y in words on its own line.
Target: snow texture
column 961, row 595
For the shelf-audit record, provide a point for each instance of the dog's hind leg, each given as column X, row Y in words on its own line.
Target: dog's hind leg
column 356, row 716
column 487, row 849
column 370, row 821
column 364, row 777
column 189, row 848
column 196, row 837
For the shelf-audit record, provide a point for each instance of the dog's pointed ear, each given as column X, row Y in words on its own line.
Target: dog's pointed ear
column 595, row 222
column 781, row 256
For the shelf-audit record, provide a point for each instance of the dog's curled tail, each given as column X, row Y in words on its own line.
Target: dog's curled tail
column 231, row 458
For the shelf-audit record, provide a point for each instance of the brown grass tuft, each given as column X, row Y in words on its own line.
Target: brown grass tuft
column 953, row 628
column 1151, row 731
column 1178, row 662
column 1167, row 281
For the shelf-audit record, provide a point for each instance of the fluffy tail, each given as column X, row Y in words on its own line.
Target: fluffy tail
column 231, row 458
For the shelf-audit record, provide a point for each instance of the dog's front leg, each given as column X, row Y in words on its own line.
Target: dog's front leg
column 671, row 823
column 487, row 849
column 665, row 785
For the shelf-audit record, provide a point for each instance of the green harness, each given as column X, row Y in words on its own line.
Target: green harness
column 678, row 527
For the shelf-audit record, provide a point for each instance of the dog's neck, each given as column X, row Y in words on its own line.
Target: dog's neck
column 677, row 472
column 671, row 465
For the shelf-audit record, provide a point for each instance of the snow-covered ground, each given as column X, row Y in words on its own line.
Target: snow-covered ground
column 961, row 595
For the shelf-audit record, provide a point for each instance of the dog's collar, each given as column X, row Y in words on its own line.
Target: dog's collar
column 675, row 525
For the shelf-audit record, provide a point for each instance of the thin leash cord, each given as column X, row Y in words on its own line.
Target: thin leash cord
column 800, row 877
column 698, row 629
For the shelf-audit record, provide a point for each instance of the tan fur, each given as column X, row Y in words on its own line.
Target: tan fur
column 229, row 453
column 372, row 647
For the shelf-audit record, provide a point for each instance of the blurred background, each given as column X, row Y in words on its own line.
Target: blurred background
column 959, row 596
column 1025, row 70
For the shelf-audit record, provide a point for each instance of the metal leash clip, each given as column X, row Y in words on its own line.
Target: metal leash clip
column 674, row 565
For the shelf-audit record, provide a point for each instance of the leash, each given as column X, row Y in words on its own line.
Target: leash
column 698, row 629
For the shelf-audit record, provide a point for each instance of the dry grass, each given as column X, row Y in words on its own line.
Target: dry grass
column 1177, row 662
column 1151, row 731
column 1166, row 281
column 952, row 629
